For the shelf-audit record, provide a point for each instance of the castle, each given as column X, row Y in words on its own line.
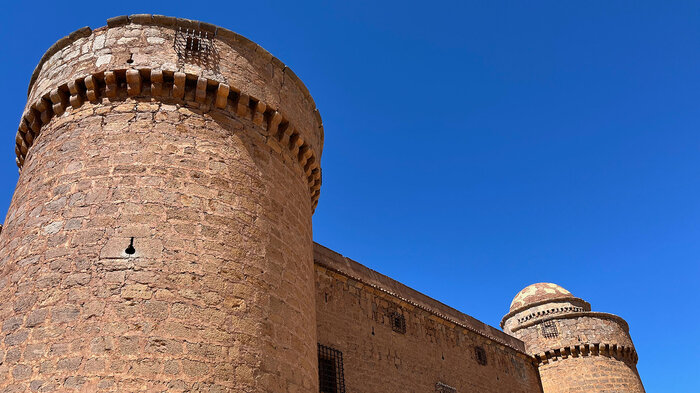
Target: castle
column 159, row 239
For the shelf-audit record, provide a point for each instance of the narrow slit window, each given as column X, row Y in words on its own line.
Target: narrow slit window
column 330, row 370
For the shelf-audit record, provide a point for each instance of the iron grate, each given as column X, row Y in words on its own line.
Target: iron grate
column 398, row 322
column 330, row 370
column 192, row 45
column 549, row 329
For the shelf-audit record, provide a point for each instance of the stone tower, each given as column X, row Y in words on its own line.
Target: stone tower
column 159, row 238
column 577, row 350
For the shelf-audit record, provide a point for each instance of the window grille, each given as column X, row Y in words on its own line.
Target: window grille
column 330, row 370
column 549, row 329
column 444, row 388
column 193, row 45
column 398, row 322
column 480, row 354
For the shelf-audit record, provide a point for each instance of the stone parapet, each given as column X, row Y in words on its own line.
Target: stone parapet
column 186, row 88
column 89, row 64
column 569, row 330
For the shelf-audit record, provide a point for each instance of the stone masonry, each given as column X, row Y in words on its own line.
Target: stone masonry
column 577, row 350
column 159, row 240
column 439, row 345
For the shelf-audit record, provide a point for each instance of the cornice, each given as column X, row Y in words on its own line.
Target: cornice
column 620, row 352
column 188, row 89
column 430, row 310
column 586, row 306
column 584, row 314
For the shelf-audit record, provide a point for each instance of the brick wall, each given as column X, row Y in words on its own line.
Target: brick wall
column 354, row 315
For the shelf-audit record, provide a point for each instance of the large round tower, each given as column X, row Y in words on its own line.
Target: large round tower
column 577, row 350
column 159, row 238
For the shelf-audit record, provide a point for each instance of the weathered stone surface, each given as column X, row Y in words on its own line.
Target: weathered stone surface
column 213, row 213
column 355, row 306
column 577, row 350
column 159, row 239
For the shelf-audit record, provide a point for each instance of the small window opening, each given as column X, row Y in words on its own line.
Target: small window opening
column 130, row 250
column 330, row 370
column 193, row 45
column 549, row 329
column 480, row 354
column 398, row 322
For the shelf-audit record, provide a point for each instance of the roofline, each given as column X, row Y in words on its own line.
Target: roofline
column 358, row 272
column 588, row 314
column 218, row 32
column 539, row 303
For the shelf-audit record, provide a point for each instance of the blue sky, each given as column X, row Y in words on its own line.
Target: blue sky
column 473, row 148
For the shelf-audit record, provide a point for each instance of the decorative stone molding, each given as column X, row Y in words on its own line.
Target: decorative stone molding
column 192, row 90
column 589, row 314
column 584, row 304
column 620, row 352
column 558, row 310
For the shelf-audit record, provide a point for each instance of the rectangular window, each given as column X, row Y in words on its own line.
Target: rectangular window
column 330, row 370
column 398, row 322
column 193, row 46
column 549, row 329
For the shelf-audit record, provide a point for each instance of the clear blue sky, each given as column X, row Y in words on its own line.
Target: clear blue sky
column 473, row 148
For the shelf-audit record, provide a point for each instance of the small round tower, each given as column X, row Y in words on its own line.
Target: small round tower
column 159, row 238
column 578, row 350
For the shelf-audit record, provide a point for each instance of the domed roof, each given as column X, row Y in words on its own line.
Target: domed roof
column 538, row 292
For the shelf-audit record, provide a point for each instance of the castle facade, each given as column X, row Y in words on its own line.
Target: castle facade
column 159, row 240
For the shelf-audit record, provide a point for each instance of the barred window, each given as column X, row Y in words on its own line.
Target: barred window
column 330, row 370
column 549, row 329
column 398, row 322
column 444, row 388
column 194, row 46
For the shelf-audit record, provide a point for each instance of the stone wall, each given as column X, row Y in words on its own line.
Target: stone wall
column 582, row 351
column 80, row 66
column 356, row 310
column 577, row 350
column 575, row 329
column 596, row 374
column 159, row 238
